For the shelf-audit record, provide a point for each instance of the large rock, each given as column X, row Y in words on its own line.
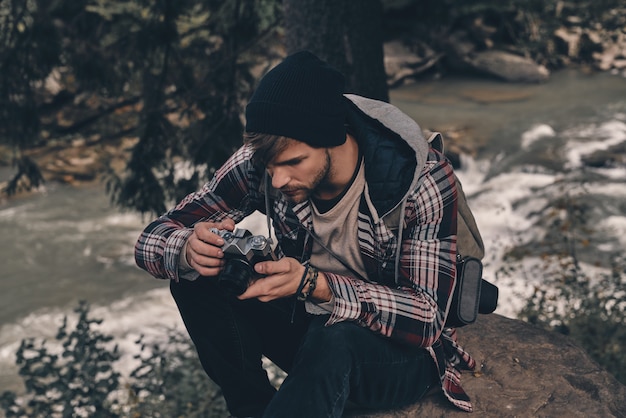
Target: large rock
column 526, row 372
column 507, row 66
column 462, row 54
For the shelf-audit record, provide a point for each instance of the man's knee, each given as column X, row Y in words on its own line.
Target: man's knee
column 334, row 343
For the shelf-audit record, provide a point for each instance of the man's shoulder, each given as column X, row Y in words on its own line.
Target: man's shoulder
column 238, row 169
column 242, row 156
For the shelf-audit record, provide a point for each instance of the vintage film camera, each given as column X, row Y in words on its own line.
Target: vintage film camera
column 242, row 251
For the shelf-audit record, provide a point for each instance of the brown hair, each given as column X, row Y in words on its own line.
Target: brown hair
column 265, row 146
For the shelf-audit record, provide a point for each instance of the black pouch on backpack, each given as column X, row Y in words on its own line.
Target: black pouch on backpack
column 472, row 294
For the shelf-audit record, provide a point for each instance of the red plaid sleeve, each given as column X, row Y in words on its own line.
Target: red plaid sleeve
column 230, row 194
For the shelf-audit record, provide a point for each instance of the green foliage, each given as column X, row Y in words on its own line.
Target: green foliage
column 189, row 61
column 27, row 171
column 586, row 302
column 77, row 379
column 172, row 74
column 29, row 52
column 591, row 310
column 170, row 382
column 75, row 382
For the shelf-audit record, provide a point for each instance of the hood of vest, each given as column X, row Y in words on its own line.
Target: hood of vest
column 393, row 147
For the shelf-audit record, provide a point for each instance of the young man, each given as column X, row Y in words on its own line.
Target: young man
column 364, row 212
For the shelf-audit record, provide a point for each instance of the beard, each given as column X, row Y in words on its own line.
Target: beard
column 301, row 193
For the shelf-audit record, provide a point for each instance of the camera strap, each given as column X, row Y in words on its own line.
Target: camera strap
column 337, row 257
column 266, row 181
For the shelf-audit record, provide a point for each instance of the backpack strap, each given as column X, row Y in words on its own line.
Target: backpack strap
column 469, row 240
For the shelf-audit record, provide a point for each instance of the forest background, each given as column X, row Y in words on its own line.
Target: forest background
column 157, row 89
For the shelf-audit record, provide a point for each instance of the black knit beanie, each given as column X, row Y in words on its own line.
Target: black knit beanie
column 302, row 99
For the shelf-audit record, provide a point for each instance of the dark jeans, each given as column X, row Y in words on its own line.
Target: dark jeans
column 326, row 366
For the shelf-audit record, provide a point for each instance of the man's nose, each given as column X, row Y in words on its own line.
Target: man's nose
column 279, row 178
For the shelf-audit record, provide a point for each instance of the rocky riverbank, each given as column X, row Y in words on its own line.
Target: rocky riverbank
column 91, row 160
column 78, row 163
column 514, row 46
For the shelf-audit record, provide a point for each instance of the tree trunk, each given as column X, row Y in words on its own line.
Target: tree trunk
column 345, row 33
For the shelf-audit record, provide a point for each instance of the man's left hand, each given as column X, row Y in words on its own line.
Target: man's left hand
column 282, row 279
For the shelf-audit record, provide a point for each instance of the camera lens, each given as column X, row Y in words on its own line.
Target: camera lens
column 236, row 276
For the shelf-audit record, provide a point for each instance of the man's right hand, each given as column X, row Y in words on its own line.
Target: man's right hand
column 203, row 248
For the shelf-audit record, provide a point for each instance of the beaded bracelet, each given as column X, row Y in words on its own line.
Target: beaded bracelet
column 303, row 281
column 311, row 280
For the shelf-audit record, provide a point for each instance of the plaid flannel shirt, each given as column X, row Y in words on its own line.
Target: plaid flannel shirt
column 411, row 309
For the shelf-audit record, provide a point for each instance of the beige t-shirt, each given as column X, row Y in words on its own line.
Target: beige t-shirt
column 338, row 230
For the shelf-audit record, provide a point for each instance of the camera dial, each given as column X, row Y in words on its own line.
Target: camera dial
column 258, row 242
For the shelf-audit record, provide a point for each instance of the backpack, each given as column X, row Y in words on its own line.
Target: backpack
column 472, row 294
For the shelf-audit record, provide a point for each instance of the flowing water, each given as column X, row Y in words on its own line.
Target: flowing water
column 68, row 244
column 536, row 138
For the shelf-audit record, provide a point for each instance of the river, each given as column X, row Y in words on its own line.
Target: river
column 67, row 244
